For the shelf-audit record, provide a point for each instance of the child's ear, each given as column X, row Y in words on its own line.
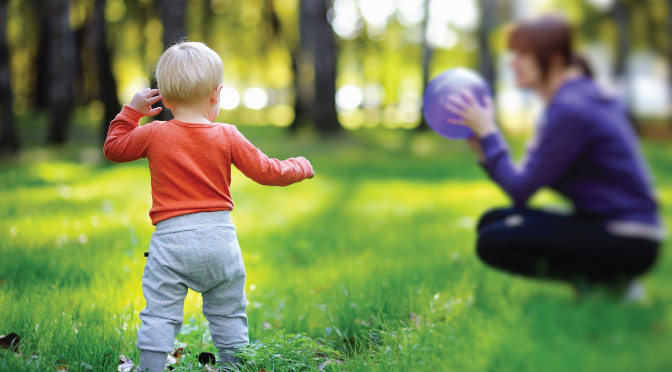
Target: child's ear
column 214, row 97
column 166, row 104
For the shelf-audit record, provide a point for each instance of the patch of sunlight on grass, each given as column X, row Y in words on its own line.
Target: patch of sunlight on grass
column 404, row 198
column 58, row 171
column 263, row 209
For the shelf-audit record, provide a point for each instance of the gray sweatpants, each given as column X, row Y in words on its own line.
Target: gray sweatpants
column 198, row 251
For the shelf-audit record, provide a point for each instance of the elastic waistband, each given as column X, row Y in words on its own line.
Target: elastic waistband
column 194, row 221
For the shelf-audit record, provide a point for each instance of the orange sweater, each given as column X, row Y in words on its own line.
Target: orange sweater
column 190, row 164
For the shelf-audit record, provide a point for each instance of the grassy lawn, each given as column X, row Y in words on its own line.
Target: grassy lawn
column 373, row 258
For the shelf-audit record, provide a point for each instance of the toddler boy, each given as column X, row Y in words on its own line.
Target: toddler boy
column 195, row 244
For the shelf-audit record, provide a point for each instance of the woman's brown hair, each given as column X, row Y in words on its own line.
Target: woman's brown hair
column 546, row 37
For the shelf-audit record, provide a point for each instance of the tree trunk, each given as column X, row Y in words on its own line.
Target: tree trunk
column 427, row 53
column 9, row 142
column 302, row 65
column 172, row 17
column 61, row 70
column 41, row 88
column 271, row 17
column 105, row 88
column 326, row 118
column 621, row 17
column 82, row 96
column 486, row 64
column 206, row 21
column 623, row 41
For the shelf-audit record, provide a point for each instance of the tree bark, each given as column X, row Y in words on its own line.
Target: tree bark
column 271, row 17
column 623, row 41
column 61, row 70
column 9, row 142
column 427, row 53
column 41, row 89
column 326, row 118
column 486, row 64
column 172, row 17
column 302, row 64
column 105, row 87
column 621, row 17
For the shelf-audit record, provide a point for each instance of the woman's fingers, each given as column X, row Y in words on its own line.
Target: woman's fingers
column 456, row 102
column 454, row 108
column 458, row 121
column 469, row 97
column 488, row 102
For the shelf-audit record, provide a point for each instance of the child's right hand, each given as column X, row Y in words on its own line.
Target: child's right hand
column 143, row 100
column 311, row 168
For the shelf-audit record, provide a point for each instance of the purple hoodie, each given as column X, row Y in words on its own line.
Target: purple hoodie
column 587, row 150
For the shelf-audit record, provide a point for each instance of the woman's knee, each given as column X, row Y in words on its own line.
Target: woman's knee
column 488, row 245
column 644, row 260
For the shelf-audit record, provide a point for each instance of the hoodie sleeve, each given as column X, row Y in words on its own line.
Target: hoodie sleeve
column 560, row 142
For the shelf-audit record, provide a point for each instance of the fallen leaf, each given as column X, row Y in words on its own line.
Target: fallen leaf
column 327, row 362
column 417, row 319
column 178, row 353
column 10, row 341
column 61, row 368
column 125, row 364
column 211, row 369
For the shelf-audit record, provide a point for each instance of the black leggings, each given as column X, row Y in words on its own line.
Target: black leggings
column 547, row 245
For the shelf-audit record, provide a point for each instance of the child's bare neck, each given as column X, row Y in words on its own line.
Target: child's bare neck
column 191, row 115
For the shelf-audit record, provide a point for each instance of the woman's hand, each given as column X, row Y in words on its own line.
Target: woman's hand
column 480, row 118
column 143, row 100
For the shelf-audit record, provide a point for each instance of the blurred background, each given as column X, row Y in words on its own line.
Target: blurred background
column 375, row 256
column 66, row 66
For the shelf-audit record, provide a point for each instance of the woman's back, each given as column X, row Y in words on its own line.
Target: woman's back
column 609, row 179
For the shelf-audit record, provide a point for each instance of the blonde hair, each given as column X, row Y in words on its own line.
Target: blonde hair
column 188, row 72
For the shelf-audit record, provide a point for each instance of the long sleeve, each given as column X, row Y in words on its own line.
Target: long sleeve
column 560, row 142
column 126, row 139
column 264, row 170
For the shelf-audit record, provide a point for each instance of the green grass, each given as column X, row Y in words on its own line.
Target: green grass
column 373, row 259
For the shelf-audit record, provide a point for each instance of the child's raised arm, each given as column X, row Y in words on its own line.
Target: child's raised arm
column 264, row 170
column 126, row 139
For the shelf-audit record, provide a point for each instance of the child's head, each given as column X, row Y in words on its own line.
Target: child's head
column 189, row 73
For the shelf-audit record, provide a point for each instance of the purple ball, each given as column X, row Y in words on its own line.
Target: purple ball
column 436, row 97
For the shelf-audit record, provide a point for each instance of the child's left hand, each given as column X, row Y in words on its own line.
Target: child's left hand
column 143, row 100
